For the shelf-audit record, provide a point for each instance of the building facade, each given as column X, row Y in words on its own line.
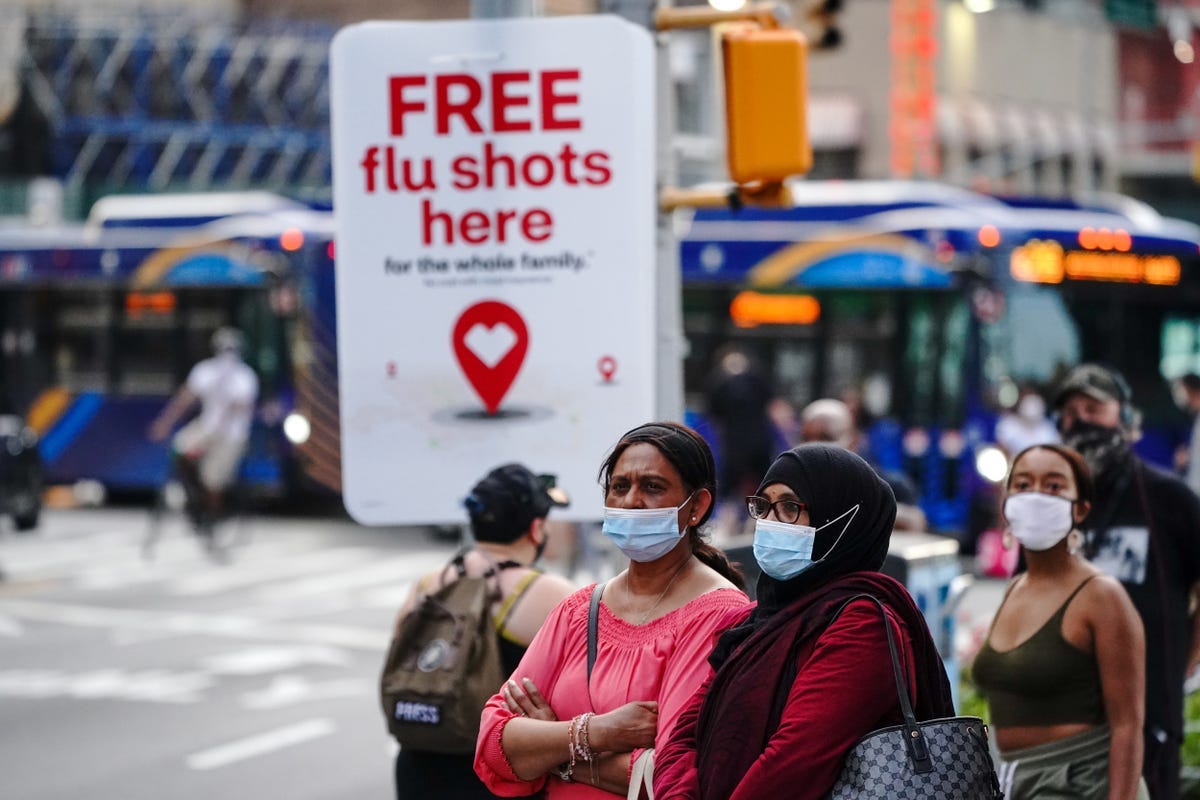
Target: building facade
column 1030, row 97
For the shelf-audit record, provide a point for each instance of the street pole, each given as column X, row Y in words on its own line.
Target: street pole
column 668, row 336
column 496, row 9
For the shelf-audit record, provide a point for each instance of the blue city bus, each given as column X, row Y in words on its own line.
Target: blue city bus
column 929, row 304
column 101, row 322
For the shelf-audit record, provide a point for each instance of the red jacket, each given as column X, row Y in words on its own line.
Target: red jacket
column 844, row 689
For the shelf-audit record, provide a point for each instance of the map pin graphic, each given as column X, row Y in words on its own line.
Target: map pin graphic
column 490, row 342
column 608, row 367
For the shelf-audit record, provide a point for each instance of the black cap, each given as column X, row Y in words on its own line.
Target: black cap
column 508, row 499
column 1094, row 381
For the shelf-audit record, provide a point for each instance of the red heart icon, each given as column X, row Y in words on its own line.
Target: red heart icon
column 490, row 341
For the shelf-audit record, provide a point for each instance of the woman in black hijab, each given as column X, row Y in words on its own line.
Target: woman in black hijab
column 807, row 673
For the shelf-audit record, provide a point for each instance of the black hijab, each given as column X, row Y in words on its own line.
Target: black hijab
column 831, row 481
column 741, row 709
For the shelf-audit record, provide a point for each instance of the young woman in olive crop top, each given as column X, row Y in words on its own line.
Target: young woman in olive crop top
column 1063, row 666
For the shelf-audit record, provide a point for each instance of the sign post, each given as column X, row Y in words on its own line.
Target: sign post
column 494, row 191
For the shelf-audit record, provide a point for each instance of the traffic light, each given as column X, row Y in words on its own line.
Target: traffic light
column 765, row 96
column 824, row 13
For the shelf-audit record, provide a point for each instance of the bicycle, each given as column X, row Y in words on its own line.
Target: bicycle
column 181, row 494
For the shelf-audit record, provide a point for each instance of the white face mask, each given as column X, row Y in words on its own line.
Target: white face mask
column 1039, row 521
column 1032, row 408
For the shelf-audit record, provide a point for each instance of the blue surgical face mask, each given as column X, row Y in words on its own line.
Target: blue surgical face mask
column 644, row 534
column 784, row 551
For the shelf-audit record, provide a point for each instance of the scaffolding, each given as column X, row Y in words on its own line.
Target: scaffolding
column 157, row 102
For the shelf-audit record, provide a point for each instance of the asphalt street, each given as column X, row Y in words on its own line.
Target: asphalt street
column 123, row 678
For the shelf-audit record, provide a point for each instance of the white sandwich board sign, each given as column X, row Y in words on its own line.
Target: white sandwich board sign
column 494, row 195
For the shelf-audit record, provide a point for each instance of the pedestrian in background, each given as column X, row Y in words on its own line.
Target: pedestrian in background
column 507, row 511
column 208, row 450
column 1063, row 666
column 829, row 420
column 797, row 684
column 1144, row 530
column 1190, row 386
column 579, row 730
column 1025, row 424
column 738, row 400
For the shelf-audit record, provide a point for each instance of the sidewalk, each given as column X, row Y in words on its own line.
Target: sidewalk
column 974, row 615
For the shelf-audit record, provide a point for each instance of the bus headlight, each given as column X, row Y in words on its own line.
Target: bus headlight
column 991, row 463
column 296, row 428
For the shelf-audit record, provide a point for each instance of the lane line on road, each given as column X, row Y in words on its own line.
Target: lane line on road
column 239, row 575
column 234, row 627
column 260, row 744
column 388, row 571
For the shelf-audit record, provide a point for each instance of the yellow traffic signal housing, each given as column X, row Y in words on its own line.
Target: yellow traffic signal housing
column 765, row 93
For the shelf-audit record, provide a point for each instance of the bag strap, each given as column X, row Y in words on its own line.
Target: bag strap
column 641, row 776
column 914, row 738
column 592, row 632
column 509, row 603
column 491, row 574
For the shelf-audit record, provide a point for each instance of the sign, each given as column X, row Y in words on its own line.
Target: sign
column 494, row 193
column 1046, row 261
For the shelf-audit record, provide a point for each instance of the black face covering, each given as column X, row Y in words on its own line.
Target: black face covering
column 1104, row 449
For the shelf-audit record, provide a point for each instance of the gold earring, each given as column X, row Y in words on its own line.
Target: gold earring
column 1006, row 541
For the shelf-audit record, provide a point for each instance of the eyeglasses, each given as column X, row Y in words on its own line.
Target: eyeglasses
column 785, row 510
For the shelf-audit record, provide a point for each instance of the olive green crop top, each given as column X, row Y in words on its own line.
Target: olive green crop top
column 1045, row 680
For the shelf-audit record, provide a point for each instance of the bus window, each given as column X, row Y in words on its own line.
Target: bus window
column 919, row 372
column 145, row 363
column 795, row 371
column 952, row 366
column 859, row 328
column 1041, row 336
column 82, row 341
column 1180, row 347
column 266, row 336
column 23, row 365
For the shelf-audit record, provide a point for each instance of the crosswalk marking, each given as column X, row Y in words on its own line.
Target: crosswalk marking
column 180, row 560
column 242, row 573
column 392, row 570
column 283, row 562
column 228, row 625
column 260, row 744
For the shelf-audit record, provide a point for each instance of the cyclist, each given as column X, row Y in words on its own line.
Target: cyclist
column 208, row 450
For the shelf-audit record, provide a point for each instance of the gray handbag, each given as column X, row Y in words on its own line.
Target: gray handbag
column 941, row 759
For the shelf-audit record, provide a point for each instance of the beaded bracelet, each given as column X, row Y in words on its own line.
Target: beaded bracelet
column 567, row 772
column 579, row 747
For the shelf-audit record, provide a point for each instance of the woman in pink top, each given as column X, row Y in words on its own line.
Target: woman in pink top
column 552, row 727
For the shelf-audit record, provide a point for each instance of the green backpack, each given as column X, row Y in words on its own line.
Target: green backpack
column 443, row 665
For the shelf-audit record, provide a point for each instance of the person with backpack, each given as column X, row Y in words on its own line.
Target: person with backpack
column 605, row 678
column 507, row 511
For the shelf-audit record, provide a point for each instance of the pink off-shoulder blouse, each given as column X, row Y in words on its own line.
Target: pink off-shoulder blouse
column 665, row 660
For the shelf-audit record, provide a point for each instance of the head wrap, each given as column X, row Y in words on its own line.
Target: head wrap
column 742, row 708
column 831, row 481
